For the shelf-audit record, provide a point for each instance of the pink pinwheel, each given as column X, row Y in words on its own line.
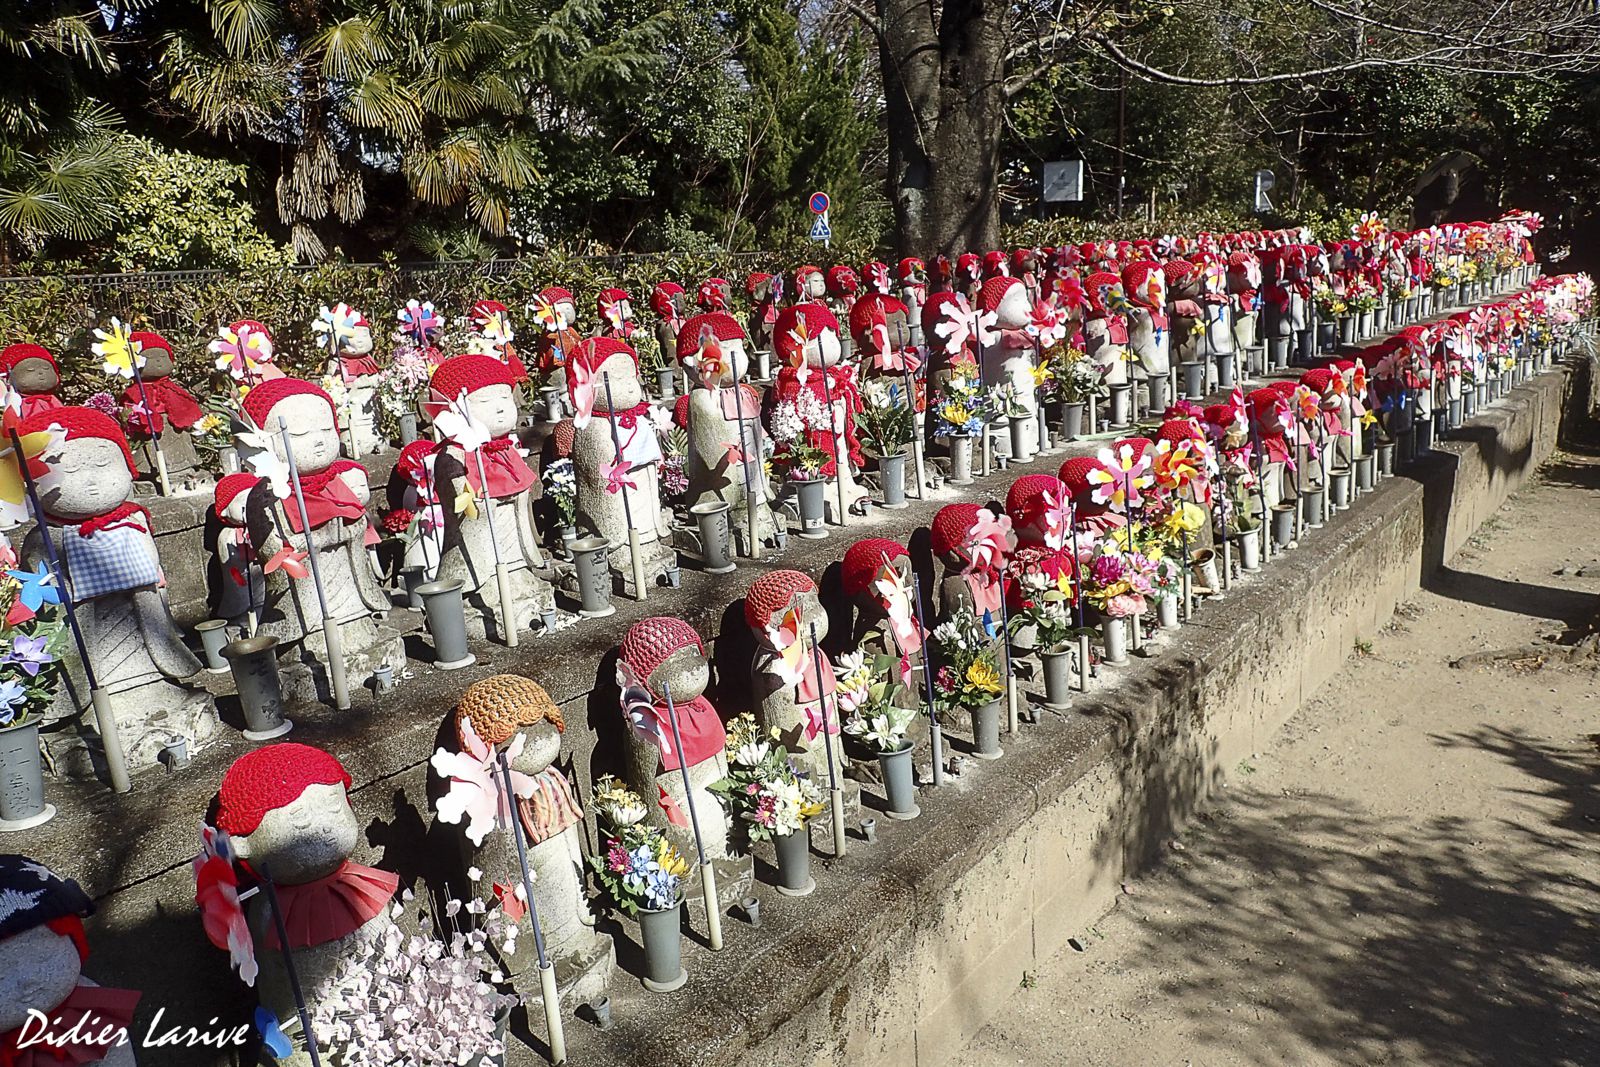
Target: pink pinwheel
column 639, row 708
column 216, row 891
column 475, row 792
column 988, row 330
column 1055, row 512
column 955, row 325
column 818, row 718
column 418, row 320
column 616, row 476
column 987, row 542
column 1047, row 324
column 1121, row 478
column 290, row 560
column 241, row 352
column 784, row 635
column 895, row 596
column 583, row 392
column 336, row 325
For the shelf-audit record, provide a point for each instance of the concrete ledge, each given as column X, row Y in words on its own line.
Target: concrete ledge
column 907, row 947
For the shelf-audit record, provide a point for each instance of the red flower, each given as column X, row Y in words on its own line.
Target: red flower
column 397, row 521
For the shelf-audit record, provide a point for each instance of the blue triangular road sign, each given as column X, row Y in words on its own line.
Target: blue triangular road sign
column 820, row 230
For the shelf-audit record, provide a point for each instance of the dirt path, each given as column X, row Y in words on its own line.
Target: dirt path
column 1408, row 876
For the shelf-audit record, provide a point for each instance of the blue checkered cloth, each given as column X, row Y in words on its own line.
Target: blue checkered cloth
column 109, row 561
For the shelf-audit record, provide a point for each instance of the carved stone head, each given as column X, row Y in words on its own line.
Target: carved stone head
column 287, row 809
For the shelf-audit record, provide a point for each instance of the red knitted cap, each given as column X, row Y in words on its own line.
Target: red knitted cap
column 661, row 295
column 259, row 402
column 1096, row 286
column 15, row 354
column 712, row 295
column 1219, row 414
column 470, row 373
column 1140, row 445
column 80, row 423
column 951, row 526
column 909, row 265
column 1134, row 276
column 1176, row 430
column 1026, row 494
column 995, row 290
column 864, row 311
column 555, row 294
column 650, row 641
column 1075, row 474
column 608, row 297
column 1284, row 387
column 591, row 352
column 933, row 314
column 969, row 264
column 842, row 280
column 723, row 326
column 230, row 486
column 753, row 281
column 817, row 320
column 771, row 593
column 1318, row 379
column 413, row 458
column 1177, row 270
column 864, row 559
column 150, row 339
column 270, row 778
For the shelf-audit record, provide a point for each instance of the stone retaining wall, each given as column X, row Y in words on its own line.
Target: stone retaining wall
column 907, row 946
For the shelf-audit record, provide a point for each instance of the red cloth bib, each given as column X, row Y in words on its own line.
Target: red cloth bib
column 329, row 908
column 508, row 473
column 327, row 497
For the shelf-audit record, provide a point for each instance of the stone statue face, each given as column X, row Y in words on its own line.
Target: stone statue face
column 87, row 477
column 38, row 969
column 685, row 672
column 157, row 363
column 33, row 376
column 567, row 311
column 626, row 389
column 312, row 432
column 816, row 286
column 899, row 329
column 823, row 350
column 541, row 746
column 359, row 343
column 1014, row 310
column 305, row 839
column 496, row 407
column 234, row 512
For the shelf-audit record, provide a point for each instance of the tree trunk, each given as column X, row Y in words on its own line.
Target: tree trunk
column 945, row 91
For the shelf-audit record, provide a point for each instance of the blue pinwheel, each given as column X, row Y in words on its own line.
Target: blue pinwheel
column 38, row 587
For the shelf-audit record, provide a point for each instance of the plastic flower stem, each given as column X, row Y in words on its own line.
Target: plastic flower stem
column 502, row 577
column 916, row 433
column 150, row 424
column 1077, row 587
column 1042, row 423
column 1258, row 459
column 752, row 541
column 835, row 794
column 983, row 384
column 935, row 733
column 271, row 892
column 639, row 591
column 547, row 971
column 105, row 720
column 708, row 873
column 1011, row 682
column 331, row 637
column 839, row 460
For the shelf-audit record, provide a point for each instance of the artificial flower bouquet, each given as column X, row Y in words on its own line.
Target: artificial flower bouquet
column 792, row 425
column 869, row 686
column 637, row 867
column 969, row 674
column 886, row 422
column 561, row 489
column 1046, row 610
column 1328, row 303
column 32, row 639
column 964, row 403
column 762, row 788
column 1116, row 584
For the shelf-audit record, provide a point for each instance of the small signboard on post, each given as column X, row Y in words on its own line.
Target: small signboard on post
column 1265, row 180
column 1063, row 181
column 820, row 230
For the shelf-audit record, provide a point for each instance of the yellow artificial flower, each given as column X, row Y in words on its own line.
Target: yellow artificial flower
column 466, row 503
column 956, row 414
column 1368, row 419
column 669, row 860
column 983, row 677
column 1042, row 374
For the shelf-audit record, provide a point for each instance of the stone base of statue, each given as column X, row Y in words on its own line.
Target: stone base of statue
column 368, row 645
column 141, row 665
column 177, row 451
column 659, row 558
column 360, row 419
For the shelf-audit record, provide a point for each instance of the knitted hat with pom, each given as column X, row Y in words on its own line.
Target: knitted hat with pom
column 270, row 778
column 843, row 281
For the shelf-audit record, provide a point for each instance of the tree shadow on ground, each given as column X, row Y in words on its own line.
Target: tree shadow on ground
column 1566, row 775
column 1571, row 607
column 1400, row 942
